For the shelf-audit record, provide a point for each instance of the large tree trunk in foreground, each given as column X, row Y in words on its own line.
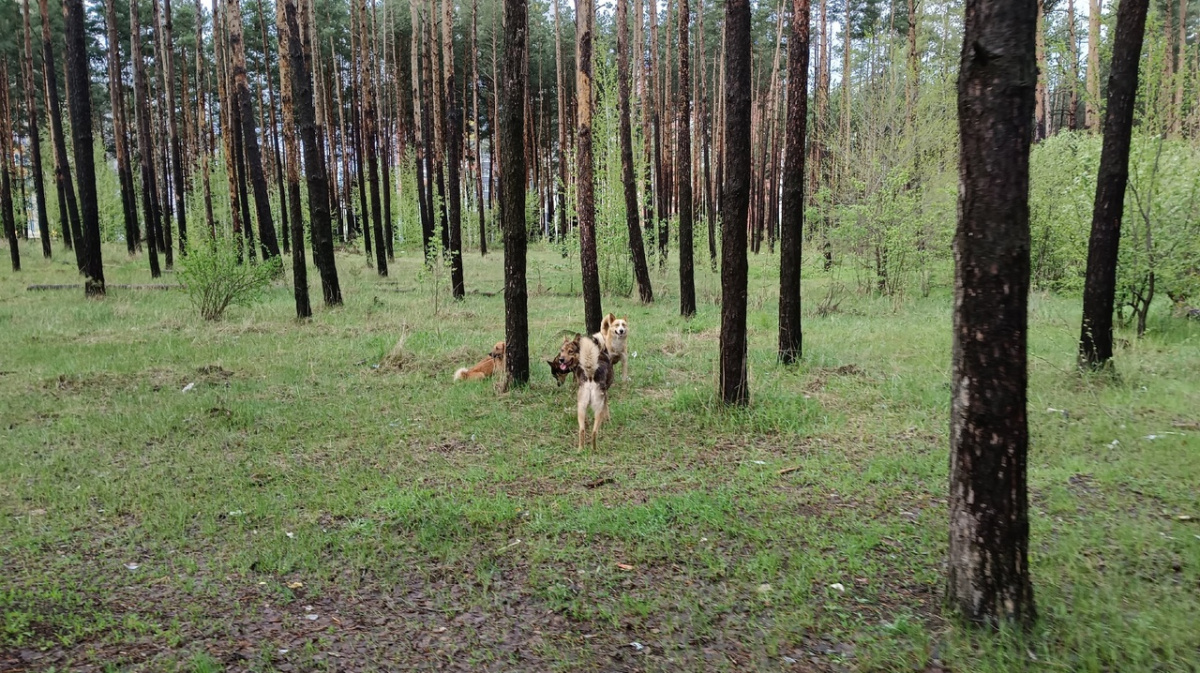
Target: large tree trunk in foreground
column 791, row 233
column 512, row 193
column 1099, row 289
column 988, row 580
column 35, row 141
column 294, row 220
column 687, row 282
column 68, row 207
column 80, row 85
column 245, row 108
column 637, row 250
column 585, row 22
column 734, row 387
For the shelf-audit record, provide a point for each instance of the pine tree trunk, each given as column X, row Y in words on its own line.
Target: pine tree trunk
column 168, row 73
column 35, row 142
column 1041, row 107
column 988, row 580
column 203, row 136
column 1180, row 70
column 253, row 158
column 1072, row 69
column 584, row 31
column 733, row 385
column 512, row 196
column 1091, row 117
column 792, row 226
column 475, row 126
column 285, row 220
column 68, row 207
column 687, row 281
column 150, row 203
column 80, row 108
column 560, row 83
column 369, row 140
column 419, row 135
column 285, row 19
column 6, row 173
column 117, row 102
column 453, row 151
column 1099, row 289
column 637, row 249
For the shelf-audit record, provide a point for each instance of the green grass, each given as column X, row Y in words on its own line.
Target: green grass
column 297, row 478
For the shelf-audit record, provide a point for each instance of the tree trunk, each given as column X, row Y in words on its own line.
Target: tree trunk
column 988, row 579
column 637, row 250
column 453, row 150
column 35, row 142
column 475, row 126
column 369, row 140
column 150, row 203
column 1095, row 339
column 512, row 196
column 733, row 385
column 203, row 129
column 792, row 226
column 262, row 196
column 285, row 20
column 285, row 220
column 1041, row 107
column 1180, row 70
column 585, row 20
column 687, row 281
column 6, row 197
column 168, row 72
column 1072, row 69
column 117, row 101
column 1091, row 116
column 560, row 83
column 80, row 85
column 68, row 207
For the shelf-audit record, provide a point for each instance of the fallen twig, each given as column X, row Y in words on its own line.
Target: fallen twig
column 111, row 286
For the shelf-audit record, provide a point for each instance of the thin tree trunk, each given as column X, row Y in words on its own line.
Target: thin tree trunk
column 453, row 151
column 1072, row 69
column 204, row 147
column 1180, row 70
column 1099, row 289
column 228, row 132
column 120, row 134
column 285, row 22
column 1091, row 118
column 262, row 197
column 512, row 196
column 369, row 138
column 80, row 108
column 6, row 173
column 561, row 87
column 733, row 384
column 1041, row 104
column 284, row 198
column 35, row 142
column 792, row 227
column 68, row 207
column 687, row 281
column 168, row 72
column 584, row 31
column 988, row 580
column 150, row 203
column 475, row 126
column 419, row 135
column 637, row 249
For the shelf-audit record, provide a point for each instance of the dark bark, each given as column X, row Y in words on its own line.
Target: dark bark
column 289, row 34
column 512, row 196
column 988, row 579
column 453, row 152
column 179, row 186
column 475, row 125
column 68, row 207
column 734, row 387
column 35, row 142
column 80, row 108
column 262, row 196
column 791, row 235
column 1099, row 289
column 585, row 21
column 687, row 281
column 284, row 198
column 637, row 249
column 117, row 100
column 369, row 146
column 150, row 203
column 6, row 197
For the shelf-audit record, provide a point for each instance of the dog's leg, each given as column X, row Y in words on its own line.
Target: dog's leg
column 581, row 404
column 625, row 366
column 600, row 413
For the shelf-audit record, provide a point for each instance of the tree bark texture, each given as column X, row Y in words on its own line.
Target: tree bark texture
column 687, row 276
column 585, row 21
column 35, row 142
column 293, row 220
column 734, row 383
column 150, row 203
column 512, row 193
column 1091, row 115
column 68, row 206
column 6, row 197
column 453, row 151
column 637, row 249
column 791, row 233
column 80, row 85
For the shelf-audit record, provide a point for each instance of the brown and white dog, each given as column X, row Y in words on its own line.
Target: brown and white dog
column 593, row 370
column 614, row 332
column 486, row 367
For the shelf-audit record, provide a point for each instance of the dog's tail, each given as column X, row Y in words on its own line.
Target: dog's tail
column 461, row 373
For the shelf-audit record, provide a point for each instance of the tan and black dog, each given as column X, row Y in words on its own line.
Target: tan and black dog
column 588, row 359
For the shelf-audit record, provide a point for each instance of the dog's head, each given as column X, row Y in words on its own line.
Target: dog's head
column 619, row 327
column 564, row 364
column 497, row 351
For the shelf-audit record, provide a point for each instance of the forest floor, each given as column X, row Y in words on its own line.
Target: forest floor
column 260, row 494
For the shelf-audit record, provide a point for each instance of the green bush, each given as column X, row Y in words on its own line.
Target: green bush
column 215, row 278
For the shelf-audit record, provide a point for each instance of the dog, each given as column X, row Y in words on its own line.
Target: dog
column 594, row 374
column 614, row 332
column 486, row 367
column 563, row 364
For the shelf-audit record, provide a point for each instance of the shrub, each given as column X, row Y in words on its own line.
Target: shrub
column 215, row 278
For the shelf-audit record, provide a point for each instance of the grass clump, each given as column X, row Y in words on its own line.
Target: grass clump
column 216, row 277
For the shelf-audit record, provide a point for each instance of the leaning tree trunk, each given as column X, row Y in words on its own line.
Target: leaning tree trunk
column 150, row 203
column 285, row 18
column 734, row 387
column 792, row 225
column 68, row 207
column 988, row 581
column 79, row 83
column 35, row 142
column 584, row 30
column 637, row 249
column 6, row 197
column 241, row 94
column 512, row 194
column 683, row 155
column 1099, row 289
column 453, row 151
